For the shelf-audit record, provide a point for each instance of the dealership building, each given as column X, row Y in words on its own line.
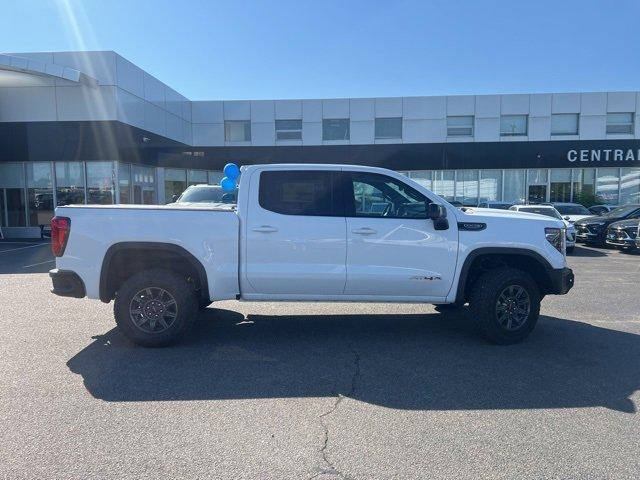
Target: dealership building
column 91, row 127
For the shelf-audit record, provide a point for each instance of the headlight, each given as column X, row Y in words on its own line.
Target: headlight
column 556, row 237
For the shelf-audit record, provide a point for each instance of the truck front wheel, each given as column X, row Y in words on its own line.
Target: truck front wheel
column 505, row 303
column 155, row 308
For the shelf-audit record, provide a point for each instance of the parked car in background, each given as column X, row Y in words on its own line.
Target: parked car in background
column 550, row 211
column 456, row 203
column 495, row 204
column 593, row 230
column 572, row 211
column 206, row 194
column 638, row 238
column 601, row 209
column 623, row 234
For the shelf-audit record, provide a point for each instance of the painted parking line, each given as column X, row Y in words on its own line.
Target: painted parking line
column 22, row 248
column 39, row 263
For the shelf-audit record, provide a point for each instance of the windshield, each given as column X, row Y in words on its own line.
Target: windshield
column 620, row 211
column 207, row 195
column 572, row 210
column 549, row 212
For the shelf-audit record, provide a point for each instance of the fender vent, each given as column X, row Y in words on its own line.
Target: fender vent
column 471, row 226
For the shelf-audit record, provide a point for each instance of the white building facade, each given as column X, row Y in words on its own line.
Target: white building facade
column 91, row 127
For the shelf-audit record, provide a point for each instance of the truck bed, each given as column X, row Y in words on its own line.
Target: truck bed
column 200, row 230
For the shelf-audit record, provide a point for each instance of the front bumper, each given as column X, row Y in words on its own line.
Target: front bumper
column 67, row 283
column 621, row 239
column 587, row 235
column 560, row 281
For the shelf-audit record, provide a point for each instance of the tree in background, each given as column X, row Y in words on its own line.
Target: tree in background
column 588, row 199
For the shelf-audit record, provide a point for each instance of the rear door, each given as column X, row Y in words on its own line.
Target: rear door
column 296, row 234
column 393, row 250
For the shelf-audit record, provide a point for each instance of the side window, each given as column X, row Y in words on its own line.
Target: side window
column 304, row 192
column 375, row 195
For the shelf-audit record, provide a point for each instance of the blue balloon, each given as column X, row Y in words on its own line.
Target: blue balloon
column 231, row 171
column 228, row 184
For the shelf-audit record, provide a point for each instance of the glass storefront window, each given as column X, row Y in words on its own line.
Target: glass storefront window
column 490, row 185
column 69, row 183
column 195, row 177
column 467, row 187
column 560, row 190
column 124, row 183
column 215, row 177
column 514, row 186
column 607, row 183
column 537, row 185
column 39, row 193
column 423, row 178
column 144, row 185
column 175, row 182
column 444, row 184
column 12, row 212
column 584, row 186
column 100, row 183
column 629, row 185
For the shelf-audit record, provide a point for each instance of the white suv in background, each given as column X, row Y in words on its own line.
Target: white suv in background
column 551, row 211
column 571, row 211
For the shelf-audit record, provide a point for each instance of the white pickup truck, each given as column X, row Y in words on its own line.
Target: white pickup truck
column 310, row 233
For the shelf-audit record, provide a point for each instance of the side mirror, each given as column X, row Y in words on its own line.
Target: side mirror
column 436, row 211
column 567, row 218
column 174, row 197
column 438, row 214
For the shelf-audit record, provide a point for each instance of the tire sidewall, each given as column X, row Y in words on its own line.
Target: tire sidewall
column 491, row 286
column 180, row 290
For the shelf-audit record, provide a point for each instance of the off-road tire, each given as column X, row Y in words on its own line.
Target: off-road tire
column 483, row 303
column 176, row 287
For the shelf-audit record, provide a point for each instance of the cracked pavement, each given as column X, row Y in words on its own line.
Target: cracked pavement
column 324, row 391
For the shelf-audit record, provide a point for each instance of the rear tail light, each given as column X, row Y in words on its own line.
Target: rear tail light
column 60, row 229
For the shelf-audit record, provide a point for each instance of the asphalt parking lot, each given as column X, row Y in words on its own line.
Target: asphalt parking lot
column 321, row 390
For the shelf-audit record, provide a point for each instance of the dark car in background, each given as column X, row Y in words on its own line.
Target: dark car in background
column 601, row 209
column 593, row 230
column 623, row 234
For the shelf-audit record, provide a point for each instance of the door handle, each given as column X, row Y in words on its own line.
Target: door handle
column 265, row 229
column 364, row 231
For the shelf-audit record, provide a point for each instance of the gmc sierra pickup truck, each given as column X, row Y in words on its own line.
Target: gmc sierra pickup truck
column 310, row 233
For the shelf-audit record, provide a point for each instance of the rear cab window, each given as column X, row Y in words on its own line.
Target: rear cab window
column 303, row 192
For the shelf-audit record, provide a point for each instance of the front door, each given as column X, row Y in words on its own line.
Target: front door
column 393, row 250
column 295, row 234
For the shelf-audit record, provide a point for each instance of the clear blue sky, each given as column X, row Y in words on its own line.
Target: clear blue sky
column 236, row 49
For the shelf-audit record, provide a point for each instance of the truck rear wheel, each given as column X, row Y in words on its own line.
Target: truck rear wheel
column 155, row 308
column 505, row 303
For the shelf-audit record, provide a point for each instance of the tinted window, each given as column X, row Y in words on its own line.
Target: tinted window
column 300, row 193
column 335, row 129
column 207, row 195
column 572, row 210
column 374, row 195
column 549, row 212
column 388, row 127
column 621, row 211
